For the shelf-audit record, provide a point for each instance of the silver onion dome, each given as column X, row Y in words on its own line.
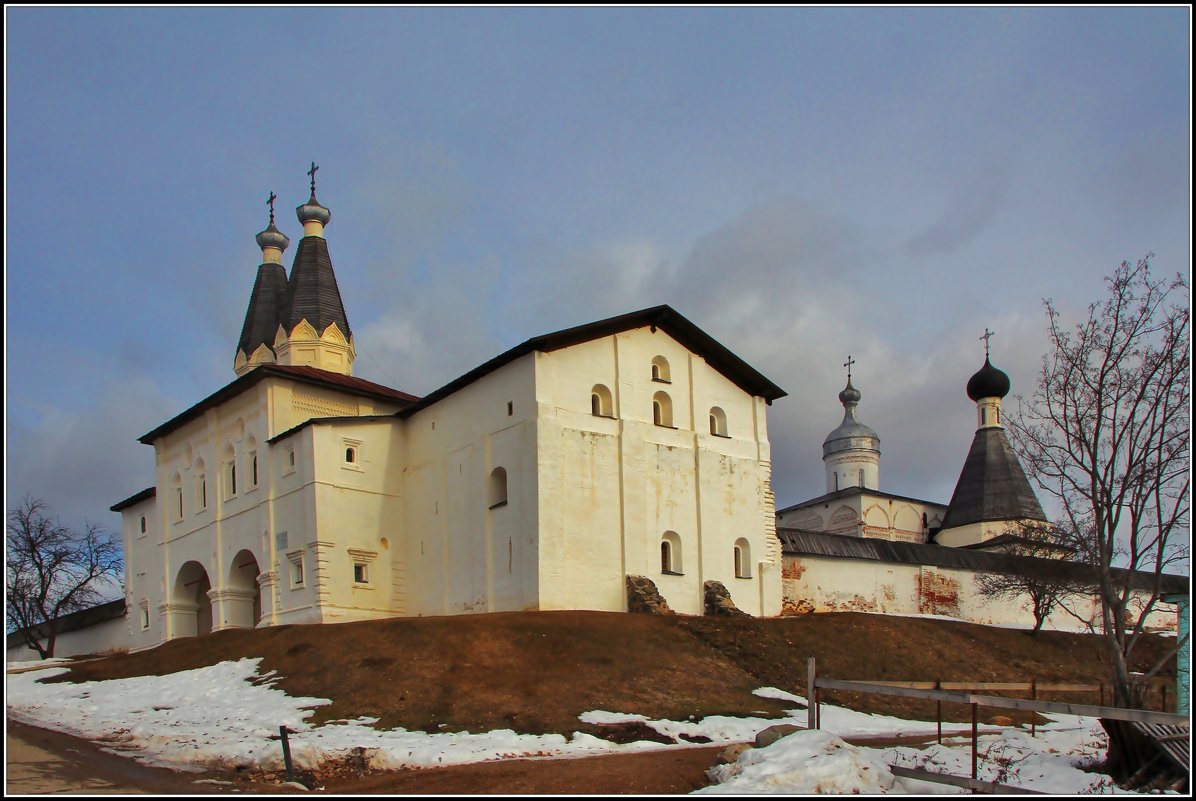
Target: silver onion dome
column 272, row 238
column 313, row 211
column 851, row 435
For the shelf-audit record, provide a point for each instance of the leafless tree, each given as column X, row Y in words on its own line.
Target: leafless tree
column 52, row 571
column 1049, row 578
column 1106, row 434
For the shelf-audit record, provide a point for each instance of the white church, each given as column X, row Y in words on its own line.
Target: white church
column 539, row 480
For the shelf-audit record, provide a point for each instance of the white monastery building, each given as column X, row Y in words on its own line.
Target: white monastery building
column 539, row 480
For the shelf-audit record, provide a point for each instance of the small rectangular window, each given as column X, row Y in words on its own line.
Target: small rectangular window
column 510, row 408
column 296, row 558
column 360, row 574
column 145, row 617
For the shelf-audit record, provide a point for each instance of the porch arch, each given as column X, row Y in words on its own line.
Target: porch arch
column 191, row 608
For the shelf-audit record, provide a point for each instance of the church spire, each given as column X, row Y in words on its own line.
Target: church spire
column 314, row 329
column 264, row 313
column 992, row 493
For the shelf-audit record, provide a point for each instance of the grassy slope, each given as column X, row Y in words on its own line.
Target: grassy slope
column 537, row 671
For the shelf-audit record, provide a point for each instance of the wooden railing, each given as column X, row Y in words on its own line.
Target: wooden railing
column 958, row 692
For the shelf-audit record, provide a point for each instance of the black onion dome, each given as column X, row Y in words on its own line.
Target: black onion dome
column 272, row 238
column 988, row 382
column 313, row 211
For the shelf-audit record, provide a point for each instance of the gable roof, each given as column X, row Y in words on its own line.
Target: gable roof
column 799, row 542
column 663, row 317
column 992, row 486
column 305, row 375
column 850, row 491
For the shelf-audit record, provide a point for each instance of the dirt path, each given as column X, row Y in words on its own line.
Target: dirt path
column 40, row 761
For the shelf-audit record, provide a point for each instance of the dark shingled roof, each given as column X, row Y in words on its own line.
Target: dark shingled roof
column 133, row 500
column 266, row 308
column 799, row 542
column 665, row 318
column 312, row 293
column 991, row 486
column 306, row 375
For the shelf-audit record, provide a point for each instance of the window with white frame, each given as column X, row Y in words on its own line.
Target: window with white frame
column 362, row 562
column 352, row 452
column 296, row 560
column 497, row 491
column 718, row 422
column 670, row 554
column 601, row 402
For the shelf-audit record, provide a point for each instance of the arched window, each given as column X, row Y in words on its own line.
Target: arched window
column 143, row 524
column 718, row 422
column 230, row 472
column 660, row 370
column 670, row 553
column 201, row 487
column 662, row 409
column 350, row 454
column 601, row 404
column 498, row 488
column 743, row 559
column 176, row 484
column 861, row 478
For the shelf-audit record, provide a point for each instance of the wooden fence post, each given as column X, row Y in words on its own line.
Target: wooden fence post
column 286, row 753
column 974, row 734
column 811, row 695
column 1033, row 715
column 938, row 711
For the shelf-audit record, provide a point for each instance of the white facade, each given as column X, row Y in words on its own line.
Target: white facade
column 864, row 513
column 540, row 484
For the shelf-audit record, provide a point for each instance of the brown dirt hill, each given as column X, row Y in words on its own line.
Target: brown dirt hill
column 537, row 671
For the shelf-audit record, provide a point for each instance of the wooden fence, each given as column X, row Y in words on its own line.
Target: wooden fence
column 959, row 693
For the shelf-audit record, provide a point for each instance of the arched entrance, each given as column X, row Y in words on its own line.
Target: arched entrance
column 192, row 608
column 243, row 597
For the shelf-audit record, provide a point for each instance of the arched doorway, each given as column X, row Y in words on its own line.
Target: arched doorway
column 192, row 606
column 243, row 598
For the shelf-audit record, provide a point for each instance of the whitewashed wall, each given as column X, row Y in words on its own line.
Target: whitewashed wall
column 826, row 584
column 612, row 488
column 103, row 637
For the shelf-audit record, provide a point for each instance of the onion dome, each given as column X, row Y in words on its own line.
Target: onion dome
column 272, row 237
column 312, row 211
column 988, row 382
column 851, row 435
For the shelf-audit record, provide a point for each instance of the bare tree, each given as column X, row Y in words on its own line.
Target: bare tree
column 52, row 571
column 1048, row 579
column 1106, row 434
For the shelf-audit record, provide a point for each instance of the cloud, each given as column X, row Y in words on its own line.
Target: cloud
column 80, row 462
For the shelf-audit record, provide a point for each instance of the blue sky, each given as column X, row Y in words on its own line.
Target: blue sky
column 802, row 183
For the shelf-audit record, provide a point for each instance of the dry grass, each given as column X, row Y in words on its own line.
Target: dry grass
column 537, row 671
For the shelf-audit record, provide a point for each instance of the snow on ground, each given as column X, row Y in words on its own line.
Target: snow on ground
column 228, row 714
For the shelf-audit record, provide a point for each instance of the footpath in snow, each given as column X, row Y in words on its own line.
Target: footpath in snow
column 227, row 714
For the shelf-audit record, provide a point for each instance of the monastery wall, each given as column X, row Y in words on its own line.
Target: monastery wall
column 828, row 584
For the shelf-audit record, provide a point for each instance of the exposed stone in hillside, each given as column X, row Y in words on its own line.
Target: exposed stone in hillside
column 642, row 596
column 718, row 601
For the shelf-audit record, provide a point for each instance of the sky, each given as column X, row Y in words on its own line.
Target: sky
column 227, row 714
column 804, row 184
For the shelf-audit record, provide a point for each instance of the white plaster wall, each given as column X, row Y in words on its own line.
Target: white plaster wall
column 461, row 555
column 612, row 487
column 825, row 584
column 108, row 636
